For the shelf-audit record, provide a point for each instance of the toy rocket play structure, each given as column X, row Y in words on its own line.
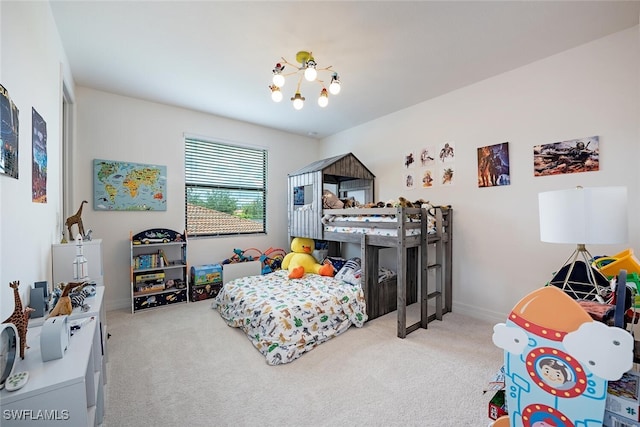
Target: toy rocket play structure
column 558, row 362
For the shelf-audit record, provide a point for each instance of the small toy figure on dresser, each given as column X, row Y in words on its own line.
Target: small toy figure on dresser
column 19, row 317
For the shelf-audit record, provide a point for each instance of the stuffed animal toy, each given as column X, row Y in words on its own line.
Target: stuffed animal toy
column 331, row 201
column 300, row 261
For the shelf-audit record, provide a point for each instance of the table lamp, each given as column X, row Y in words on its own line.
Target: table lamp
column 582, row 216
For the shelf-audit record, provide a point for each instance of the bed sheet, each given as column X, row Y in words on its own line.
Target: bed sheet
column 285, row 318
column 372, row 231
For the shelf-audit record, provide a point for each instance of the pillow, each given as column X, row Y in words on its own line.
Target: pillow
column 351, row 272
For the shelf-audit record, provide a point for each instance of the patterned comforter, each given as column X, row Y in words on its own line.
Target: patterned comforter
column 284, row 318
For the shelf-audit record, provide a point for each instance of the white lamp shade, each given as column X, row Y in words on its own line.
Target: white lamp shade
column 595, row 215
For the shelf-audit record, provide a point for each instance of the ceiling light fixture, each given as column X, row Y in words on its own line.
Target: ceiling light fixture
column 308, row 69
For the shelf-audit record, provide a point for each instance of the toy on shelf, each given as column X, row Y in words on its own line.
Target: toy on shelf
column 156, row 235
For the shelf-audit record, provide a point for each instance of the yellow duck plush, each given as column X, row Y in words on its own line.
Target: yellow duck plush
column 300, row 261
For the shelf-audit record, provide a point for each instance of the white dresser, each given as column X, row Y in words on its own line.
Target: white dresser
column 67, row 391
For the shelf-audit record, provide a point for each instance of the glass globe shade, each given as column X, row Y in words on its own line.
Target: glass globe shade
column 310, row 74
column 276, row 95
column 298, row 103
column 278, row 80
column 334, row 88
column 323, row 101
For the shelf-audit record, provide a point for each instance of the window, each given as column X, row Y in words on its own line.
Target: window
column 225, row 188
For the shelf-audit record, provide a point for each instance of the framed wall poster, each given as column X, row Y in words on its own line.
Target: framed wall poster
column 409, row 160
column 427, row 156
column 572, row 156
column 39, row 158
column 493, row 165
column 408, row 180
column 446, row 161
column 127, row 186
column 8, row 135
column 447, row 152
column 427, row 178
column 446, row 175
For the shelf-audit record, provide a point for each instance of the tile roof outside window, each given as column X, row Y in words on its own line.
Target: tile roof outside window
column 207, row 221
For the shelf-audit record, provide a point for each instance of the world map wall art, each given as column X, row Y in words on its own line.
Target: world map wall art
column 126, row 186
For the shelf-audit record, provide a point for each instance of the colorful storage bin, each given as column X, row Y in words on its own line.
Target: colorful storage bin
column 206, row 274
column 611, row 266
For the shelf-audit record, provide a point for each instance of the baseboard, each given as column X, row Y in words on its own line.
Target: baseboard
column 118, row 304
column 479, row 313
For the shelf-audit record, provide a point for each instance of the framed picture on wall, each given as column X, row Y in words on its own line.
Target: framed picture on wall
column 127, row 186
column 9, row 130
column 427, row 180
column 493, row 165
column 409, row 160
column 39, row 158
column 447, row 174
column 571, row 156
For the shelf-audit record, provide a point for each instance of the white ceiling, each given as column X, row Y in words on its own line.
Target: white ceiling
column 217, row 56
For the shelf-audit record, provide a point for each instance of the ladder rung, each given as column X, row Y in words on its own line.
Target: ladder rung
column 434, row 295
column 413, row 327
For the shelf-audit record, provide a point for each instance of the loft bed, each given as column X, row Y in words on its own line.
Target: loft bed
column 346, row 176
column 377, row 228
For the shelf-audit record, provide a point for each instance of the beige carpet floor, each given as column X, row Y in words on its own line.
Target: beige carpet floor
column 183, row 366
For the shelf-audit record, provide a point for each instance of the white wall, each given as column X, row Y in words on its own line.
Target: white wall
column 32, row 66
column 498, row 256
column 114, row 127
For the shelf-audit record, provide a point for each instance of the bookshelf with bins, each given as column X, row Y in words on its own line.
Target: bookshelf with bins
column 158, row 268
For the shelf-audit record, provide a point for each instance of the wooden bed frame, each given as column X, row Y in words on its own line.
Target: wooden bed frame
column 349, row 176
column 412, row 254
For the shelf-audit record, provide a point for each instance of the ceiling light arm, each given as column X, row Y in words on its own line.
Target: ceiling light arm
column 299, row 83
column 301, row 67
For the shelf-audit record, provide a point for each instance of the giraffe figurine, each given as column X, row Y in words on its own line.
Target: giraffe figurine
column 76, row 219
column 18, row 317
column 27, row 314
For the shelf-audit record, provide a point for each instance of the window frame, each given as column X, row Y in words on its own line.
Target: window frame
column 216, row 155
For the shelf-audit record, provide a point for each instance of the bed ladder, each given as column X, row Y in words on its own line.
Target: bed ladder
column 436, row 267
column 425, row 267
column 437, row 295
